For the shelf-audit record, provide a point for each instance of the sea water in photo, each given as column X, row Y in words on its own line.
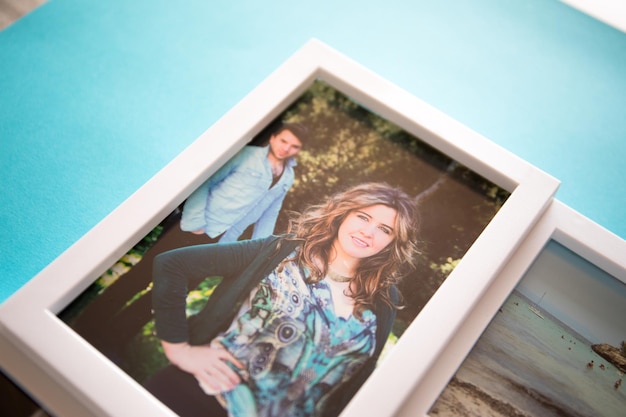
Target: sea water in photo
column 530, row 364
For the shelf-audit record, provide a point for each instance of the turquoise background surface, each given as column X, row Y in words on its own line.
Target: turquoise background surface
column 96, row 97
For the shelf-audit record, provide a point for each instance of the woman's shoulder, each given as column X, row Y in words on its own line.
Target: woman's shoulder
column 281, row 242
column 387, row 307
column 394, row 294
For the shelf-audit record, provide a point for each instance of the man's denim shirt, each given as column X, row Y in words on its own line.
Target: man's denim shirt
column 239, row 195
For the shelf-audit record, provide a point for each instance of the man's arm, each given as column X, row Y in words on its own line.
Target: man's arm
column 267, row 222
column 193, row 217
column 193, row 211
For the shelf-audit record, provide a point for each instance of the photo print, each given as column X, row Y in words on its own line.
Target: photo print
column 346, row 146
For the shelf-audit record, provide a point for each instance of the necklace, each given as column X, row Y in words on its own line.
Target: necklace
column 337, row 277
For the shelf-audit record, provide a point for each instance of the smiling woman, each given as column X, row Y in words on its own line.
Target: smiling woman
column 283, row 318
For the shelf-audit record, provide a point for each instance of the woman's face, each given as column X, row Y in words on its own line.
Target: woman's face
column 365, row 232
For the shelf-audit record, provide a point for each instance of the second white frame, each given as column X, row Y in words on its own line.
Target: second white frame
column 560, row 224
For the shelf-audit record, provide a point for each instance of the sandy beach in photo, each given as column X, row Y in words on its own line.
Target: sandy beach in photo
column 465, row 399
column 525, row 365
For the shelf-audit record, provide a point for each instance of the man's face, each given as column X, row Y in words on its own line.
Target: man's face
column 284, row 145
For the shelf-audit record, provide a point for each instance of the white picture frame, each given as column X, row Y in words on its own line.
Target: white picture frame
column 69, row 377
column 585, row 239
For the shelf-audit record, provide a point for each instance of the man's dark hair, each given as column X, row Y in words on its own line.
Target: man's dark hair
column 298, row 129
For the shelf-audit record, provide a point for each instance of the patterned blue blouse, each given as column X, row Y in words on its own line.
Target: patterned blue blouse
column 296, row 350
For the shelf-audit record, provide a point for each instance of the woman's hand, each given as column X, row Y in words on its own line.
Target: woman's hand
column 208, row 364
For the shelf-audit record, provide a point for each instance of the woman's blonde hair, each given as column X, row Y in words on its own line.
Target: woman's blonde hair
column 317, row 228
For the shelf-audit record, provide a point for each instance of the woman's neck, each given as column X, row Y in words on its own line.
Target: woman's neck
column 342, row 265
column 343, row 303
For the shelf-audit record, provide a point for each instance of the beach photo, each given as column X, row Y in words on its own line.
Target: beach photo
column 556, row 347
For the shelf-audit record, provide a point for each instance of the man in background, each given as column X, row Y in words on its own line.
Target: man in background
column 248, row 190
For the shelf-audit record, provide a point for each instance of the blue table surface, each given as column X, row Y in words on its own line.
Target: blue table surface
column 96, row 97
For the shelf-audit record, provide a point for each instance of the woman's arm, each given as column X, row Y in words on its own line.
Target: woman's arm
column 176, row 272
